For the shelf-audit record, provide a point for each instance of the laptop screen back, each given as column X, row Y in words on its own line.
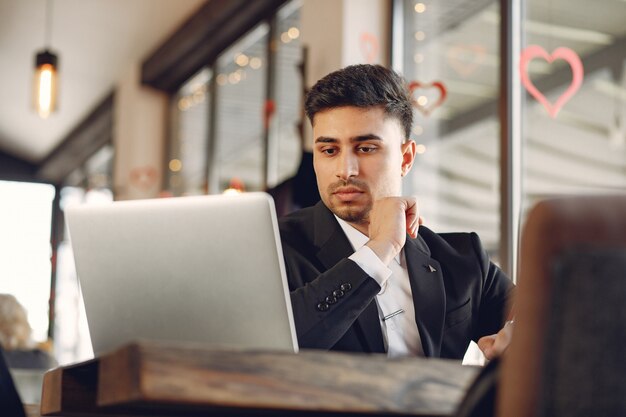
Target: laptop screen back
column 203, row 269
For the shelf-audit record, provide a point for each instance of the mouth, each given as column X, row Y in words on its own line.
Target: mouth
column 346, row 194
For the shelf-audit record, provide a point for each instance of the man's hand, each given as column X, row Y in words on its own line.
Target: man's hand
column 495, row 344
column 391, row 218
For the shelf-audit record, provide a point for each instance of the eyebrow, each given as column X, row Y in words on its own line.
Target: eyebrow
column 360, row 138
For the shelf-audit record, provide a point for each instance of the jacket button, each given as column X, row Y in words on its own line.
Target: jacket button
column 331, row 299
column 338, row 293
column 346, row 287
column 323, row 306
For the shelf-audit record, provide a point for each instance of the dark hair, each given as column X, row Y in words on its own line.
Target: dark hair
column 363, row 86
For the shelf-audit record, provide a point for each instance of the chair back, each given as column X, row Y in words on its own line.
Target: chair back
column 10, row 402
column 568, row 352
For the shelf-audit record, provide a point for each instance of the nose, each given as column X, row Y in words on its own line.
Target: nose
column 347, row 166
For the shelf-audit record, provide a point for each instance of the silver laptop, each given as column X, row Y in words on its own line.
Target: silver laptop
column 203, row 269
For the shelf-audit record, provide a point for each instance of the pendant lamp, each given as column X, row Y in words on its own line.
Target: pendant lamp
column 46, row 73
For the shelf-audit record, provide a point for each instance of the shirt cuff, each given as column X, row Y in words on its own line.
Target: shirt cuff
column 367, row 260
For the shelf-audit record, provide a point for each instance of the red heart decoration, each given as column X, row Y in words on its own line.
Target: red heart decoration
column 465, row 59
column 268, row 112
column 369, row 47
column 566, row 54
column 426, row 110
column 143, row 177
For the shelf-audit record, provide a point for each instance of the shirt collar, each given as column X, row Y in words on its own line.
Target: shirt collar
column 356, row 238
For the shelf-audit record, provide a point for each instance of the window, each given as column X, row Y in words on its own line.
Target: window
column 579, row 147
column 25, row 268
column 450, row 56
column 241, row 73
column 188, row 145
column 286, row 140
column 236, row 124
column 89, row 184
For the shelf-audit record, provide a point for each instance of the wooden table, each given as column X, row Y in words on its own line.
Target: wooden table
column 165, row 379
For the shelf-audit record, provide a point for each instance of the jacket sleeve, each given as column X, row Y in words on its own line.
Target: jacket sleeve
column 497, row 292
column 326, row 304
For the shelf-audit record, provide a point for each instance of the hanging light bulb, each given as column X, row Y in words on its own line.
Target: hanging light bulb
column 45, row 78
column 45, row 83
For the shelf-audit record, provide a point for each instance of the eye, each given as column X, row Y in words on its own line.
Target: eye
column 328, row 151
column 366, row 149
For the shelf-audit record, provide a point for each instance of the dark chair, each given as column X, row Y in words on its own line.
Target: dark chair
column 10, row 403
column 568, row 352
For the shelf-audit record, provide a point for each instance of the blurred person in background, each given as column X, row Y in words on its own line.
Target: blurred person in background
column 19, row 349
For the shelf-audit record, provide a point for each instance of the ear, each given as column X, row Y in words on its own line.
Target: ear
column 408, row 156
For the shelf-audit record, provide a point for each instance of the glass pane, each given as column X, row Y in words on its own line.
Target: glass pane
column 99, row 169
column 240, row 105
column 575, row 145
column 25, row 269
column 188, row 144
column 289, row 86
column 451, row 59
column 90, row 184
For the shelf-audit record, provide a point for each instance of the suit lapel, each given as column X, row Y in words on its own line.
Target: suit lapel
column 329, row 238
column 428, row 294
column 333, row 247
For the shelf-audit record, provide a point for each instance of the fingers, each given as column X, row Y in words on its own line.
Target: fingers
column 413, row 219
column 412, row 224
column 412, row 228
column 390, row 220
column 486, row 345
column 495, row 344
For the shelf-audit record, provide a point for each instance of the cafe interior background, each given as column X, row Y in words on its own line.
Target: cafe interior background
column 515, row 101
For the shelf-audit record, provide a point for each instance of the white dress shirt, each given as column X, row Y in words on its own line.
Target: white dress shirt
column 395, row 301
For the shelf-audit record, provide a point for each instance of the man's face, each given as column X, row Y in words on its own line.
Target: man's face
column 359, row 156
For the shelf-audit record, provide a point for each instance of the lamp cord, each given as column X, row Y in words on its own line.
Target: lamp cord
column 48, row 27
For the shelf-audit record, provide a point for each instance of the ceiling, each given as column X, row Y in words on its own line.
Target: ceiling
column 97, row 41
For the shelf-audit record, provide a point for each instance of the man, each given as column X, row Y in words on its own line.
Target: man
column 358, row 282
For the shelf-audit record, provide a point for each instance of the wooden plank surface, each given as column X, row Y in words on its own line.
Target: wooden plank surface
column 32, row 410
column 149, row 378
column 70, row 391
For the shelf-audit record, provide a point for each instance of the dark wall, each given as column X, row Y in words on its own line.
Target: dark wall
column 15, row 169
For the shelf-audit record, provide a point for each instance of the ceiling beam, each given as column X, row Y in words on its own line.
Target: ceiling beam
column 201, row 39
column 95, row 131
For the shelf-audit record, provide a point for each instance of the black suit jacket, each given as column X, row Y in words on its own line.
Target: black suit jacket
column 463, row 299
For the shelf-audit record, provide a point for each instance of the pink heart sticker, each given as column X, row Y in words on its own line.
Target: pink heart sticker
column 566, row 54
column 369, row 47
column 465, row 59
column 143, row 177
column 417, row 85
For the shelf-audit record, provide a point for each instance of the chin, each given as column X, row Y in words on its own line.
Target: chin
column 351, row 214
